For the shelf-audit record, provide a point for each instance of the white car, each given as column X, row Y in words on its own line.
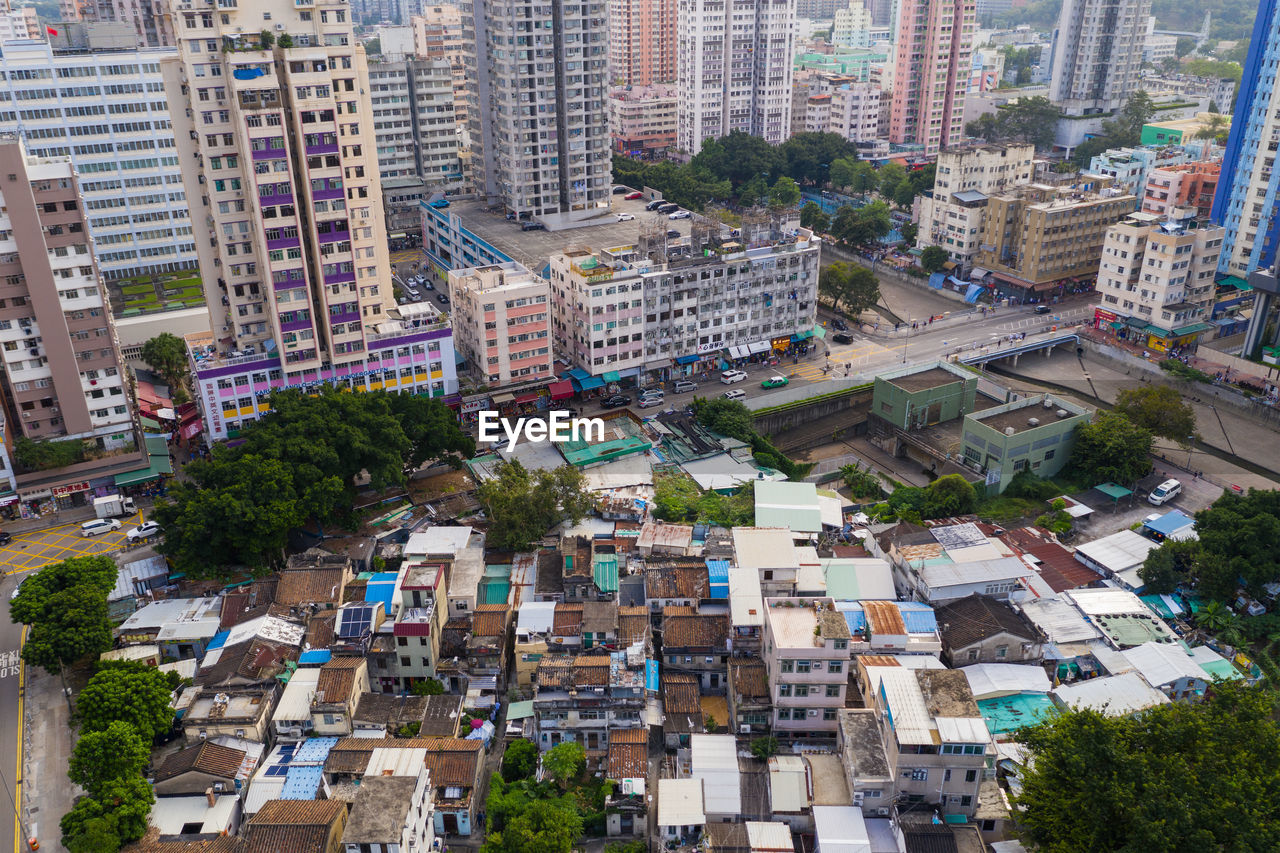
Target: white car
column 144, row 531
column 679, row 214
column 735, row 394
column 731, row 376
column 625, row 217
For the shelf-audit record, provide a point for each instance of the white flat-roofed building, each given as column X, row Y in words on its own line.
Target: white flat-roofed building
column 1112, row 695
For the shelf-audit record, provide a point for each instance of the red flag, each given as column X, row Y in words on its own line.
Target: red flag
column 51, row 31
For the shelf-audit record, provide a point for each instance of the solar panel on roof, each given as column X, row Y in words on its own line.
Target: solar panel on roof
column 355, row 621
column 278, row 770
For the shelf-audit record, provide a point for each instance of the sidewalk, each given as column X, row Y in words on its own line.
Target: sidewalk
column 47, row 794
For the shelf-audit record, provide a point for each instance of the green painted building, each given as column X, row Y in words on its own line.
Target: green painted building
column 854, row 61
column 1036, row 434
column 916, row 397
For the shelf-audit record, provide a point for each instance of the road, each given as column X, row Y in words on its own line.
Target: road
column 39, row 548
column 11, row 696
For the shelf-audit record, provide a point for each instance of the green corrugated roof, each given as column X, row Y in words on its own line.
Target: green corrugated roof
column 1236, row 282
column 1222, row 669
column 496, row 591
column 604, row 571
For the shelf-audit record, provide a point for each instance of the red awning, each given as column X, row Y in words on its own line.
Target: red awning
column 191, row 429
column 527, row 398
column 561, row 390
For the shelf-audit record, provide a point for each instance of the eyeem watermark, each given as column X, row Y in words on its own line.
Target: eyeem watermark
column 558, row 427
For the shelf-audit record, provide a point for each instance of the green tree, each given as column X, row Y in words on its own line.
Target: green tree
column 864, row 178
column 834, row 283
column 784, row 193
column 120, row 809
column 1174, row 562
column 1179, row 777
column 891, row 174
column 94, row 836
column 1032, row 120
column 522, row 505
column 129, row 692
column 1217, row 127
column 985, row 127
column 904, row 195
column 949, row 495
column 1186, row 44
column 806, row 155
column 564, row 762
column 909, row 233
column 1160, row 410
column 166, row 354
column 373, row 47
column 427, row 687
column 1213, row 68
column 753, row 192
column 811, row 216
column 65, row 607
column 45, row 454
column 727, row 417
column 543, row 826
column 932, row 258
column 1112, row 448
column 765, row 747
column 842, row 172
column 862, row 290
column 100, row 757
column 1243, row 533
column 520, row 761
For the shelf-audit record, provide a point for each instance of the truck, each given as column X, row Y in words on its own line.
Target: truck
column 113, row 506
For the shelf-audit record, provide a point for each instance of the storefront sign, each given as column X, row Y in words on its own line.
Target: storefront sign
column 36, row 495
column 59, row 491
column 781, row 343
column 213, row 408
column 474, row 404
column 714, row 346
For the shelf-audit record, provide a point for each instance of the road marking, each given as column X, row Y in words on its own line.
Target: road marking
column 10, row 663
column 17, row 771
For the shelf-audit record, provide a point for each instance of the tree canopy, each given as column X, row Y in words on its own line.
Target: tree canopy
column 564, row 761
column 519, row 761
column 166, row 354
column 65, row 607
column 118, row 812
column 932, row 258
column 1159, row 409
column 860, row 226
column 1031, row 120
column 130, row 692
column 523, row 505
column 526, row 818
column 1111, row 448
column 852, row 288
column 104, row 756
column 1123, row 131
column 1181, row 777
column 677, row 498
column 302, row 461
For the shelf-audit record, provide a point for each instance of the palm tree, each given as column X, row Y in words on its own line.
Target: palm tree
column 1214, row 617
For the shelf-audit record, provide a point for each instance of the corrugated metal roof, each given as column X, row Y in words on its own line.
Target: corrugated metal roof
column 907, row 712
column 680, row 802
column 962, row 730
column 918, row 617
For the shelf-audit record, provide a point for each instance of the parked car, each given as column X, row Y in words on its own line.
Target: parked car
column 774, row 382
column 680, row 214
column 620, row 190
column 626, row 217
column 412, row 291
column 683, row 386
column 839, row 325
column 655, row 204
column 633, row 196
column 428, row 285
column 99, row 525
column 731, row 376
column 5, row 537
column 649, row 402
column 615, row 401
column 666, row 207
column 1165, row 492
column 653, row 392
column 735, row 394
column 143, row 531
column 1043, row 309
column 533, row 226
column 673, row 234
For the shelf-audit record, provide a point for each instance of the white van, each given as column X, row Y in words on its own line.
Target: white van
column 1165, row 492
column 735, row 394
column 99, row 525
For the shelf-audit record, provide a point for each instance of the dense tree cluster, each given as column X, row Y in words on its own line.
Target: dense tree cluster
column 850, row 288
column 1160, row 410
column 1031, row 120
column 947, row 496
column 301, row 462
column 523, row 505
column 65, row 607
column 526, row 816
column 677, row 498
column 1111, row 448
column 1123, row 131
column 732, row 418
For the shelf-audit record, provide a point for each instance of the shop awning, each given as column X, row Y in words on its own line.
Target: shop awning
column 527, row 398
column 611, row 376
column 578, row 373
column 686, row 359
column 159, row 465
column 1193, row 329
column 1155, row 331
column 820, row 331
column 561, row 390
column 758, row 347
column 737, row 352
column 977, row 273
column 1117, row 325
column 591, row 383
column 501, row 399
column 148, row 423
column 192, row 429
column 658, row 365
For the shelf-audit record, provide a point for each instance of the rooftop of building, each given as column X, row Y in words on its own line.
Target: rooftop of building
column 799, row 624
column 937, row 375
column 1028, row 413
column 380, row 810
column 495, row 278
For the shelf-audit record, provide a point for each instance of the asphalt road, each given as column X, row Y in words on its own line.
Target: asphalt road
column 39, row 548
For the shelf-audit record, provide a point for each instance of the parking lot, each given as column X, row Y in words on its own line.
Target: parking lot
column 39, row 548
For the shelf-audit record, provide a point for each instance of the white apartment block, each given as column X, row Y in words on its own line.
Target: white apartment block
column 852, row 25
column 539, row 128
column 106, row 110
column 806, row 650
column 734, row 66
column 617, row 310
column 952, row 215
column 502, row 322
column 856, row 110
column 1160, row 272
column 1097, row 54
column 18, row 23
column 150, row 20
column 415, row 129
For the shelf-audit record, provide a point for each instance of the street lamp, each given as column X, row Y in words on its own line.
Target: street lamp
column 907, row 345
column 1190, row 446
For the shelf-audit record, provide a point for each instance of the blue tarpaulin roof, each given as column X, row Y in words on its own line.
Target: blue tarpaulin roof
column 578, row 373
column 302, row 783
column 590, row 383
column 314, row 657
column 381, row 588
column 218, row 641
column 1169, row 523
column 718, row 574
column 919, row 618
column 856, row 619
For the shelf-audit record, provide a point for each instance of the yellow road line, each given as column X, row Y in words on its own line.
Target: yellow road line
column 17, row 775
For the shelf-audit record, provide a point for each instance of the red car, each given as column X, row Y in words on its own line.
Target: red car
column 633, row 196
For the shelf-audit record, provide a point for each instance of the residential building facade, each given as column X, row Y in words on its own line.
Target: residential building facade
column 417, row 141
column 502, row 323
column 852, row 25
column 294, row 301
column 539, row 129
column 106, row 110
column 152, row 20
column 642, row 42
column 952, row 215
column 1097, row 54
column 931, row 72
column 734, row 69
column 1182, row 191
column 643, row 120
column 855, row 111
column 1157, row 278
column 806, row 650
column 1131, row 167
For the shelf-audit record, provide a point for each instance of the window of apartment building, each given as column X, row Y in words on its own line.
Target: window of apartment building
column 835, row 666
column 833, row 691
column 1002, row 652
column 916, row 774
column 784, row 689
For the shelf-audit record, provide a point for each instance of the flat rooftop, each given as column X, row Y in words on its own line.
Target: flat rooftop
column 934, row 377
column 1019, row 414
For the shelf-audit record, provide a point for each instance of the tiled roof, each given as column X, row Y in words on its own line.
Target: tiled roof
column 452, row 761
column 555, row 671
column 567, row 620
column 702, row 631
column 310, row 585
column 320, row 629
column 680, row 693
column 749, row 680
column 212, row 758
column 389, row 709
column 294, row 814
column 489, row 620
column 600, row 617
column 295, row 839
column 632, row 622
column 441, row 716
column 677, row 582
column 338, row 678
column 151, row 843
column 1057, row 566
column 591, row 670
column 977, row 617
column 628, row 753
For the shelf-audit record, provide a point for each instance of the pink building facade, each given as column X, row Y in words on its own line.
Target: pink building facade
column 1183, row 190
column 502, row 323
column 642, row 42
column 931, row 72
